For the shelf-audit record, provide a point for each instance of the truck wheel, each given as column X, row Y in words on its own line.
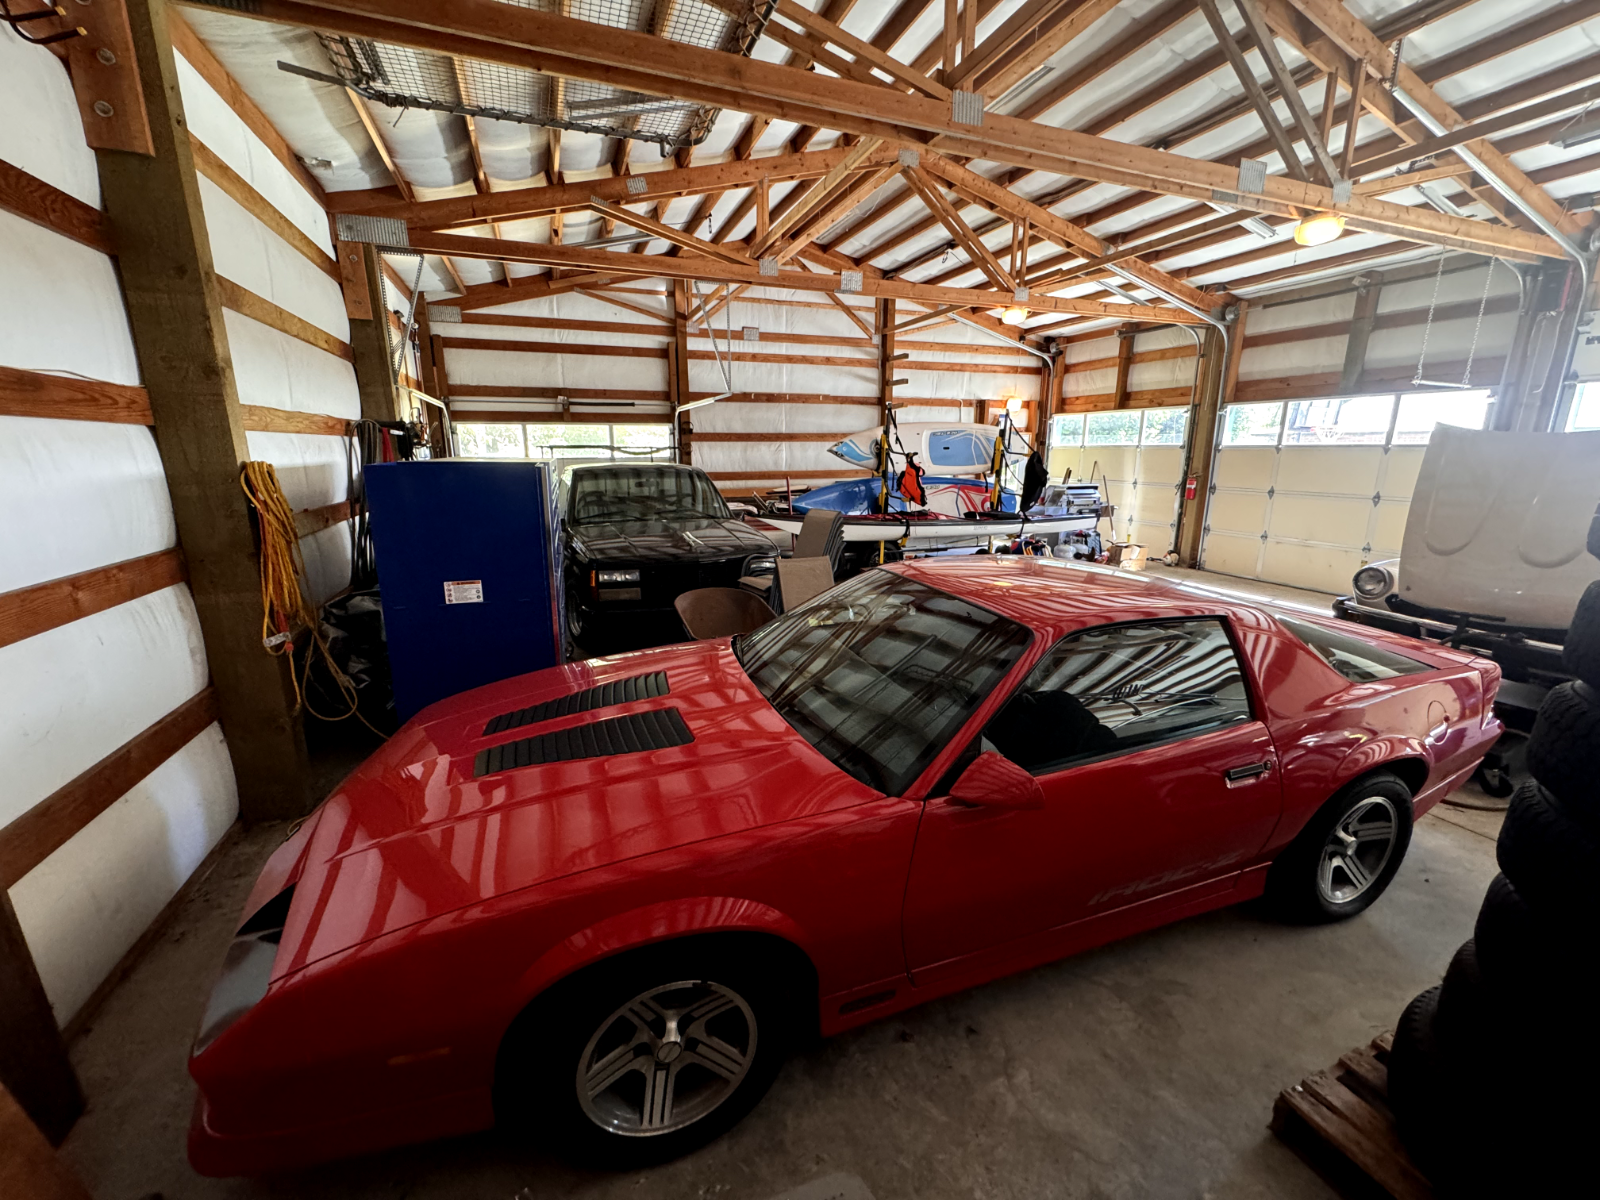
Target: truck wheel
column 1564, row 750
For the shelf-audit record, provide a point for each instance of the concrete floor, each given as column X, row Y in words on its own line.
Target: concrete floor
column 1144, row 1069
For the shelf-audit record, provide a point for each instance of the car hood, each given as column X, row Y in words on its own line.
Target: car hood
column 416, row 832
column 666, row 541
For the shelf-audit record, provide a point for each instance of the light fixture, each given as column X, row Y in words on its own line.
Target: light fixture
column 1015, row 315
column 1582, row 130
column 1014, row 403
column 1319, row 230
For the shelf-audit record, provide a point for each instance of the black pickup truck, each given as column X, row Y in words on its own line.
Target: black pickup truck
column 639, row 535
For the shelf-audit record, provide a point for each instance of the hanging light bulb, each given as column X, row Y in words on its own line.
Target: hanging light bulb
column 1015, row 315
column 1319, row 230
column 1014, row 404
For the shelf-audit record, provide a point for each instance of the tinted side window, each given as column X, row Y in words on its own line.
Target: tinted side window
column 1119, row 687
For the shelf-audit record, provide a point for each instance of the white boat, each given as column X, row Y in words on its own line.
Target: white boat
column 925, row 532
column 941, row 449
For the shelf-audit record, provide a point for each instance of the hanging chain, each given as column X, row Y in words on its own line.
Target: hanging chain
column 1483, row 307
column 1422, row 359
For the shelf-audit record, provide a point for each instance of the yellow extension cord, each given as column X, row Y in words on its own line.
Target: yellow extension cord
column 284, row 608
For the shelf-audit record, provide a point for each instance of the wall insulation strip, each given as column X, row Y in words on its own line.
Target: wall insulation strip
column 85, row 905
column 274, row 370
column 77, row 495
column 219, row 127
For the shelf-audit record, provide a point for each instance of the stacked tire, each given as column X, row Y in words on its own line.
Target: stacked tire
column 1492, row 1078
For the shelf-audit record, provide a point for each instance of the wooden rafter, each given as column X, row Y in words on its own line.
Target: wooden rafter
column 971, row 243
column 608, row 264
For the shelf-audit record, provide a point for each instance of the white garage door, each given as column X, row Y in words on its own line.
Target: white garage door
column 1137, row 455
column 1308, row 491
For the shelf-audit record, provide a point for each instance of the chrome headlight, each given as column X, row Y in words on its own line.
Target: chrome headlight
column 626, row 575
column 1373, row 582
column 761, row 564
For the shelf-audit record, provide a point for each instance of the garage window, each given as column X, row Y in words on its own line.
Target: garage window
column 551, row 441
column 1344, row 421
column 1117, row 428
column 1120, row 688
column 1585, row 412
column 1407, row 419
column 1252, row 424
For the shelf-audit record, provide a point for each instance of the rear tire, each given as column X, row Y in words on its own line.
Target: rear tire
column 1347, row 853
column 650, row 1055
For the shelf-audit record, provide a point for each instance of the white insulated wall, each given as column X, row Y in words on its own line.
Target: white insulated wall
column 75, row 495
column 761, row 462
column 273, row 369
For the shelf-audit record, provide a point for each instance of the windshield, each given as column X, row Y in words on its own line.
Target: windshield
column 881, row 672
column 642, row 493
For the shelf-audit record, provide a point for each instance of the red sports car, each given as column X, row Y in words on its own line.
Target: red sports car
column 599, row 901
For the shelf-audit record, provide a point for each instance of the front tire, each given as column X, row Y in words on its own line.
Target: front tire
column 648, row 1056
column 1347, row 853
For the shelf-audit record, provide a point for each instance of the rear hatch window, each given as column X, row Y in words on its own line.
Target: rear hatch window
column 1357, row 660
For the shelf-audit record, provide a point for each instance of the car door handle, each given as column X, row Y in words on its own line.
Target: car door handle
column 1250, row 771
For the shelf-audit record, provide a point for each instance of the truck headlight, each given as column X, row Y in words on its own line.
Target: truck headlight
column 628, row 575
column 761, row 564
column 1373, row 583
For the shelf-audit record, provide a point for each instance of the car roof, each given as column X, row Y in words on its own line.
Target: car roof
column 1063, row 595
column 634, row 466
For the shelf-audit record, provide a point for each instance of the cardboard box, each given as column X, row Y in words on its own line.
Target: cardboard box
column 1128, row 555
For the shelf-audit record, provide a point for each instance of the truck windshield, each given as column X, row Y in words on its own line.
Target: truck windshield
column 642, row 493
column 881, row 672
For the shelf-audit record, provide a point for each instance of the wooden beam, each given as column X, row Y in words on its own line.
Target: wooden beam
column 863, row 51
column 1063, row 231
column 1124, row 364
column 259, row 418
column 174, row 305
column 243, row 301
column 1289, row 90
column 372, row 347
column 978, row 253
column 1346, row 30
column 678, row 370
column 39, row 394
column 34, row 1066
column 30, row 1167
column 40, row 607
column 38, row 833
column 611, row 264
column 49, row 207
column 199, row 56
column 468, row 211
column 211, row 165
column 578, row 49
column 1253, row 89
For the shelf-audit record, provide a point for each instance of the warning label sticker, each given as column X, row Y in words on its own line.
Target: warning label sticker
column 464, row 591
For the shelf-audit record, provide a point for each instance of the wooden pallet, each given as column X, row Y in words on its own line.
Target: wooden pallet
column 1339, row 1121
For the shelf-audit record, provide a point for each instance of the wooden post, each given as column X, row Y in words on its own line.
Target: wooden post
column 678, row 367
column 1125, row 336
column 1219, row 380
column 33, row 1055
column 886, row 342
column 28, row 1167
column 171, row 292
column 372, row 345
column 1355, row 347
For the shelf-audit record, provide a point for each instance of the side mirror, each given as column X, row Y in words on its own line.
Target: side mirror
column 994, row 781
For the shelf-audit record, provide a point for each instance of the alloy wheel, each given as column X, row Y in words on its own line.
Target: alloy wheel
column 666, row 1058
column 1357, row 850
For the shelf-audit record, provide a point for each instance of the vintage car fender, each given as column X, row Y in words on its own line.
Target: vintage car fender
column 1385, row 751
column 652, row 923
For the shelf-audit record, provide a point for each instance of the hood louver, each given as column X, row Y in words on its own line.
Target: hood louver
column 657, row 729
column 620, row 691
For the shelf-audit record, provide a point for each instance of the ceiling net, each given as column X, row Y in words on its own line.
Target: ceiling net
column 402, row 77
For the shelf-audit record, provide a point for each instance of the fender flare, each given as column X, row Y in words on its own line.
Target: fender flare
column 1379, row 752
column 657, row 922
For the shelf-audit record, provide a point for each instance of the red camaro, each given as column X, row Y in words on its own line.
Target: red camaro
column 599, row 901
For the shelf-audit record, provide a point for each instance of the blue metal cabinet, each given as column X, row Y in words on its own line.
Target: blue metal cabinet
column 469, row 563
